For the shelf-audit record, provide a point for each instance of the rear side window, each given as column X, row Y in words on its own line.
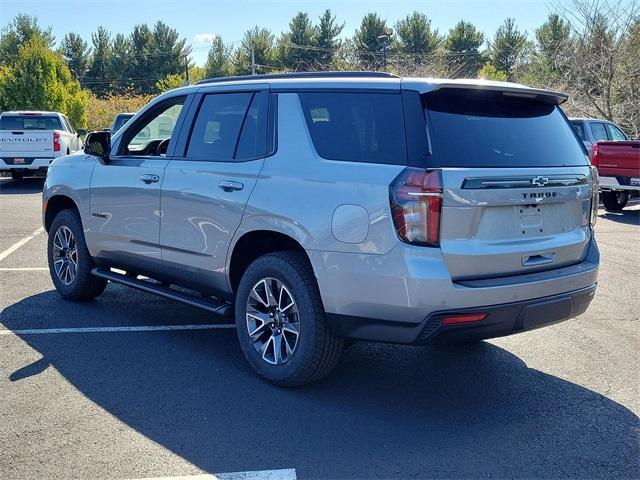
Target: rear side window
column 615, row 133
column 30, row 122
column 356, row 126
column 579, row 128
column 229, row 126
column 598, row 131
column 490, row 129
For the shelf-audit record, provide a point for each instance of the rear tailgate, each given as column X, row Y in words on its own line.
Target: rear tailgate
column 620, row 159
column 26, row 144
column 516, row 184
column 497, row 222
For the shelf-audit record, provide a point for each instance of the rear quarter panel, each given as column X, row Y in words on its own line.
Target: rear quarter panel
column 325, row 205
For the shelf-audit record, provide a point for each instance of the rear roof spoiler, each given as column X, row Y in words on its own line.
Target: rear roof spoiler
column 508, row 89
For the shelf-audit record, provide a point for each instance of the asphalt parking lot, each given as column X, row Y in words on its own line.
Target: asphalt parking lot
column 101, row 390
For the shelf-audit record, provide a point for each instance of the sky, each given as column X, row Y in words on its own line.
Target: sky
column 199, row 20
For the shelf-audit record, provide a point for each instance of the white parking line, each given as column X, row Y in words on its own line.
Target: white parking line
column 17, row 245
column 139, row 328
column 24, row 269
column 284, row 474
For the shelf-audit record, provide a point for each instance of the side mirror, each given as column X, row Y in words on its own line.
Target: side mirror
column 98, row 144
column 81, row 132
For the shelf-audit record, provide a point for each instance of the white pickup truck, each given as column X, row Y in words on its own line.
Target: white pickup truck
column 30, row 141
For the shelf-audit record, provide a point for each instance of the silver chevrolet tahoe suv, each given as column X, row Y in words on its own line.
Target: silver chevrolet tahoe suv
column 326, row 207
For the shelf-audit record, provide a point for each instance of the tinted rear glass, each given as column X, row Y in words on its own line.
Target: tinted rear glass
column 30, row 122
column 355, row 126
column 489, row 129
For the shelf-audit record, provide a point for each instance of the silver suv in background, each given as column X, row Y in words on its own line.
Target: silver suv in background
column 593, row 130
column 328, row 206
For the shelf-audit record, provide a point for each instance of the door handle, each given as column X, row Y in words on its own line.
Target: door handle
column 149, row 178
column 229, row 186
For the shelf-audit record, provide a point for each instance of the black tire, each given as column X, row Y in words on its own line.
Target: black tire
column 84, row 285
column 317, row 350
column 18, row 176
column 615, row 201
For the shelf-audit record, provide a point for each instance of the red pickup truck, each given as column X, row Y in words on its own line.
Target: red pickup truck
column 618, row 165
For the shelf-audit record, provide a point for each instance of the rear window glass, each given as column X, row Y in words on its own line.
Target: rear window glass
column 356, row 127
column 30, row 122
column 489, row 129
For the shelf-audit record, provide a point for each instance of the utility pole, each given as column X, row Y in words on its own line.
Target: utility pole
column 186, row 69
column 253, row 60
column 384, row 55
column 384, row 39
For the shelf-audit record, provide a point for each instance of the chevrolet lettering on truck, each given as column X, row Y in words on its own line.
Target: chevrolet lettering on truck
column 319, row 208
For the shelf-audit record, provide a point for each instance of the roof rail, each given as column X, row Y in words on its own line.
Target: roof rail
column 329, row 74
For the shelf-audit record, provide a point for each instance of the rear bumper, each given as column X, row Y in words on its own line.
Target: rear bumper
column 618, row 183
column 501, row 320
column 33, row 164
column 409, row 284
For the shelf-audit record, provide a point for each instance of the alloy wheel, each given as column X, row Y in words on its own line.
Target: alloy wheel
column 273, row 321
column 65, row 255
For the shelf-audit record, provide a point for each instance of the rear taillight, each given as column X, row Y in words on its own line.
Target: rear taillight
column 416, row 206
column 594, row 155
column 56, row 142
column 595, row 197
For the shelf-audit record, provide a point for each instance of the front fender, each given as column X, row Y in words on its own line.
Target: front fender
column 70, row 176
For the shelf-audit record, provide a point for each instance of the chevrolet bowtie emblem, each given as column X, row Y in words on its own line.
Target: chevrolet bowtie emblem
column 540, row 181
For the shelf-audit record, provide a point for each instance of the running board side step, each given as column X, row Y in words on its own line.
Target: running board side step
column 221, row 308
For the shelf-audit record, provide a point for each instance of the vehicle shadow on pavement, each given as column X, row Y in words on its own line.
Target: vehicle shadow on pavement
column 628, row 217
column 455, row 412
column 27, row 185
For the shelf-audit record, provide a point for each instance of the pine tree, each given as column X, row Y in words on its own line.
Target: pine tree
column 462, row 49
column 301, row 34
column 327, row 39
column 508, row 47
column 218, row 60
column 77, row 52
column 366, row 40
column 261, row 40
column 97, row 76
column 414, row 36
